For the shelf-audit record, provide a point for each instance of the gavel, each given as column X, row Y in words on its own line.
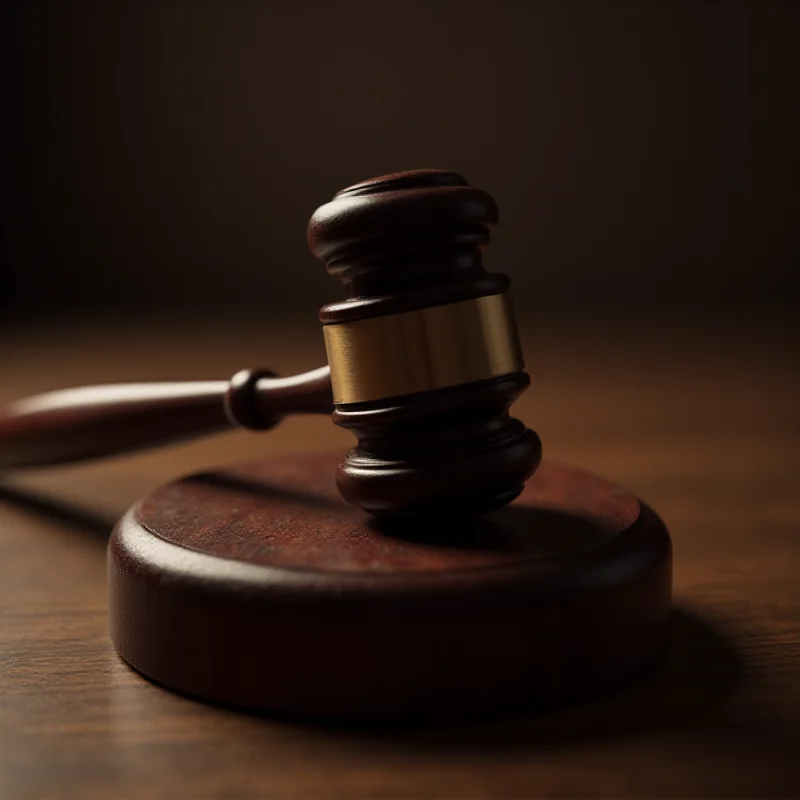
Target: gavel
column 235, row 584
column 424, row 363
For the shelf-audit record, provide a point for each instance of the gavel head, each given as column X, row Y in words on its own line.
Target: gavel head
column 424, row 354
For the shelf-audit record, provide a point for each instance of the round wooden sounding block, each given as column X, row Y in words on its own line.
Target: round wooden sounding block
column 258, row 586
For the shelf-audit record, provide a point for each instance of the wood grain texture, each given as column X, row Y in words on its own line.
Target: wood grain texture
column 236, row 585
column 700, row 420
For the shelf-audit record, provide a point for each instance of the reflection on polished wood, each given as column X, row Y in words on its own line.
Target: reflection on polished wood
column 701, row 420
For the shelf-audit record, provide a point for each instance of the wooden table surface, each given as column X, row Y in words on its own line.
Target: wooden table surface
column 701, row 419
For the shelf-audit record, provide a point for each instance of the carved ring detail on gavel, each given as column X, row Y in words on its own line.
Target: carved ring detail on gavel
column 424, row 364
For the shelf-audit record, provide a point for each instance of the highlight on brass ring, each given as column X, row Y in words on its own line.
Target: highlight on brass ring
column 428, row 348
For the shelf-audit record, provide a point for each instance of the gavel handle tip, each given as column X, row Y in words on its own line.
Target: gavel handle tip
column 78, row 424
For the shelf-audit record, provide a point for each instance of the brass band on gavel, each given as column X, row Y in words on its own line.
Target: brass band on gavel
column 424, row 349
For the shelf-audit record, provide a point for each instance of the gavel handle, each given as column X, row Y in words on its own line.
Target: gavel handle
column 96, row 421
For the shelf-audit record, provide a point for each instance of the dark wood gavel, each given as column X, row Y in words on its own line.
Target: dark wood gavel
column 424, row 363
column 235, row 585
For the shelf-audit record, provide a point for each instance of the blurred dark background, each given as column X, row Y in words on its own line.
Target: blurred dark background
column 167, row 156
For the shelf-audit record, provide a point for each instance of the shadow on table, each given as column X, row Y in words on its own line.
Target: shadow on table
column 696, row 679
column 80, row 519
